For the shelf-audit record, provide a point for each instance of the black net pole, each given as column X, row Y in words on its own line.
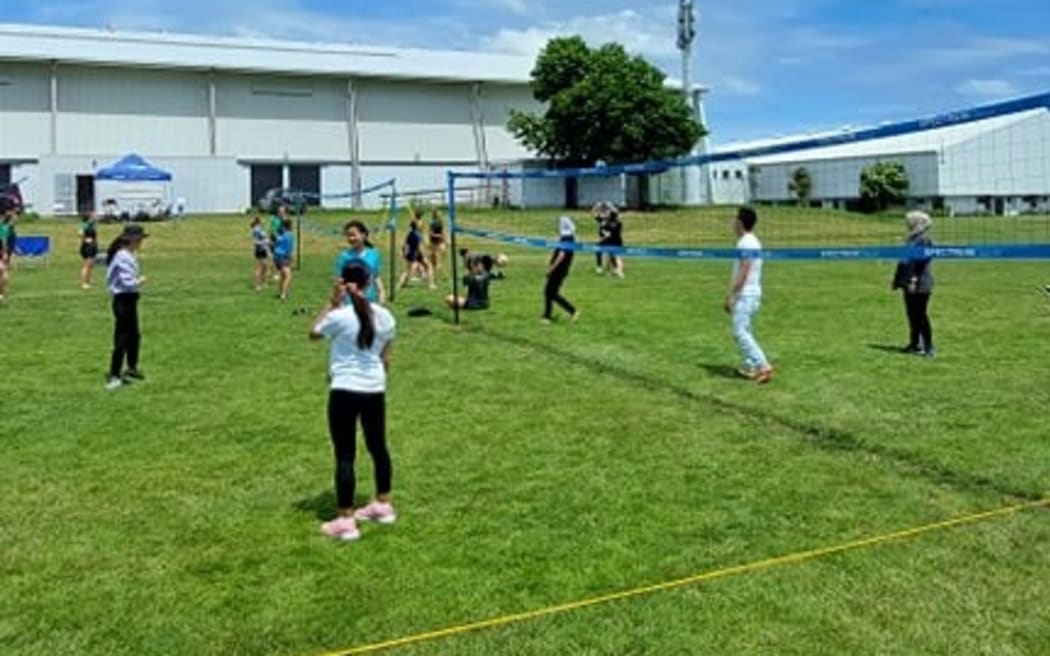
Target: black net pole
column 392, row 226
column 452, row 237
column 299, row 236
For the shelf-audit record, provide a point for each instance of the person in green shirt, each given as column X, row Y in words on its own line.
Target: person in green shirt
column 5, row 232
column 277, row 219
column 6, row 229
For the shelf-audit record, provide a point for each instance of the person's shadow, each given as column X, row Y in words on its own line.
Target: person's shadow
column 323, row 506
column 720, row 371
column 886, row 348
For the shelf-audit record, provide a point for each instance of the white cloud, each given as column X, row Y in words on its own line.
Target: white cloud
column 738, row 86
column 983, row 49
column 986, row 89
column 644, row 33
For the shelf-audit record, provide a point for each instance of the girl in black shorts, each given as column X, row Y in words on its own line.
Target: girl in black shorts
column 88, row 250
column 261, row 246
column 437, row 241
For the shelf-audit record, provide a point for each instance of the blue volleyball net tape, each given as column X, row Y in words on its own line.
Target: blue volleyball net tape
column 982, row 252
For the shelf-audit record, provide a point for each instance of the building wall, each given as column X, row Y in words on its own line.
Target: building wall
column 840, row 178
column 1010, row 161
column 414, row 131
column 109, row 110
column 495, row 103
column 415, row 123
column 273, row 118
column 25, row 110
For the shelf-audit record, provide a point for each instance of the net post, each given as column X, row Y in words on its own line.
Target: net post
column 452, row 238
column 299, row 235
column 392, row 226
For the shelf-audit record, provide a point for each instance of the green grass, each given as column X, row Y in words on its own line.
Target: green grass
column 533, row 465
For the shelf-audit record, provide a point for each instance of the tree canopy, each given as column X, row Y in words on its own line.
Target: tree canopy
column 883, row 184
column 603, row 105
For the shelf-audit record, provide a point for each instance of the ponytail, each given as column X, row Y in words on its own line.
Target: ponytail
column 366, row 333
column 114, row 247
column 356, row 276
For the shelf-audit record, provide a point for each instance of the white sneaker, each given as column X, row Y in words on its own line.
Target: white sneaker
column 113, row 383
column 599, row 270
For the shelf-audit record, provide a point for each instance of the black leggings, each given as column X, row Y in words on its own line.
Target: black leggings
column 552, row 294
column 343, row 410
column 126, row 336
column 919, row 320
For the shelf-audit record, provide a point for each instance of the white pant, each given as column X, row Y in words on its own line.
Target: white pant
column 743, row 314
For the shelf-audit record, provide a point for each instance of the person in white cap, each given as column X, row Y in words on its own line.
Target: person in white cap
column 558, row 271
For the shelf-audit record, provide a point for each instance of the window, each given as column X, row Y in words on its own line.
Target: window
column 739, row 175
column 725, row 174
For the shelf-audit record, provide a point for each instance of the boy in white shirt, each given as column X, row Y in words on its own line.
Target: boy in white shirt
column 745, row 297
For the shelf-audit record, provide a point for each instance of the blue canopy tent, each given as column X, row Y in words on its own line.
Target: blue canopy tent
column 133, row 168
column 133, row 188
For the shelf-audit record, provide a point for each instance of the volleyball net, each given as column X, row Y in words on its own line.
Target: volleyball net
column 982, row 173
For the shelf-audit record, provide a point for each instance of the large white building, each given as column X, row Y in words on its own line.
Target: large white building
column 999, row 165
column 231, row 117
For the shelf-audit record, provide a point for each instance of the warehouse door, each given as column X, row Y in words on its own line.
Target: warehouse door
column 307, row 179
column 85, row 194
column 264, row 178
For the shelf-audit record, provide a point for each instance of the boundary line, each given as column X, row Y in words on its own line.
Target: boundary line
column 748, row 568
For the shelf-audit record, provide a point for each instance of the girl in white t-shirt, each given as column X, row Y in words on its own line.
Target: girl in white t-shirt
column 360, row 334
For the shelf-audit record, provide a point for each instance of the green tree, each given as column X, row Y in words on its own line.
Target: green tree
column 883, row 184
column 801, row 185
column 603, row 105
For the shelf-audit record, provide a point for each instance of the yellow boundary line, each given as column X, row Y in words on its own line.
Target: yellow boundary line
column 757, row 566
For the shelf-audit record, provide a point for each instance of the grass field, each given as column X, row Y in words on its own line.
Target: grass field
column 533, row 465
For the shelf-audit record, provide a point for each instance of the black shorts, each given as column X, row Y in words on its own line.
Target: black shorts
column 437, row 240
column 88, row 251
column 261, row 253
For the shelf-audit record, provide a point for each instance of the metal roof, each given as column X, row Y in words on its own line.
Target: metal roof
column 933, row 140
column 165, row 50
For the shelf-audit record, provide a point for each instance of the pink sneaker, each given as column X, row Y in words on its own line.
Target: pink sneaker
column 377, row 511
column 341, row 528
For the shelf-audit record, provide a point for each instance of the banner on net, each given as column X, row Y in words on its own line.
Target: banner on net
column 896, row 253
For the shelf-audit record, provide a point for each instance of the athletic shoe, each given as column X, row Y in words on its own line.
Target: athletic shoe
column 929, row 353
column 133, row 375
column 744, row 372
column 764, row 376
column 377, row 511
column 599, row 270
column 545, row 321
column 85, row 286
column 341, row 528
column 113, row 383
column 911, row 349
column 575, row 316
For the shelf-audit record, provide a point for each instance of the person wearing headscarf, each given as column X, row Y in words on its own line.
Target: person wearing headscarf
column 558, row 271
column 914, row 277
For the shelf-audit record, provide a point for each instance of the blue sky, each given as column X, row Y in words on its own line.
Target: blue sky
column 774, row 66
